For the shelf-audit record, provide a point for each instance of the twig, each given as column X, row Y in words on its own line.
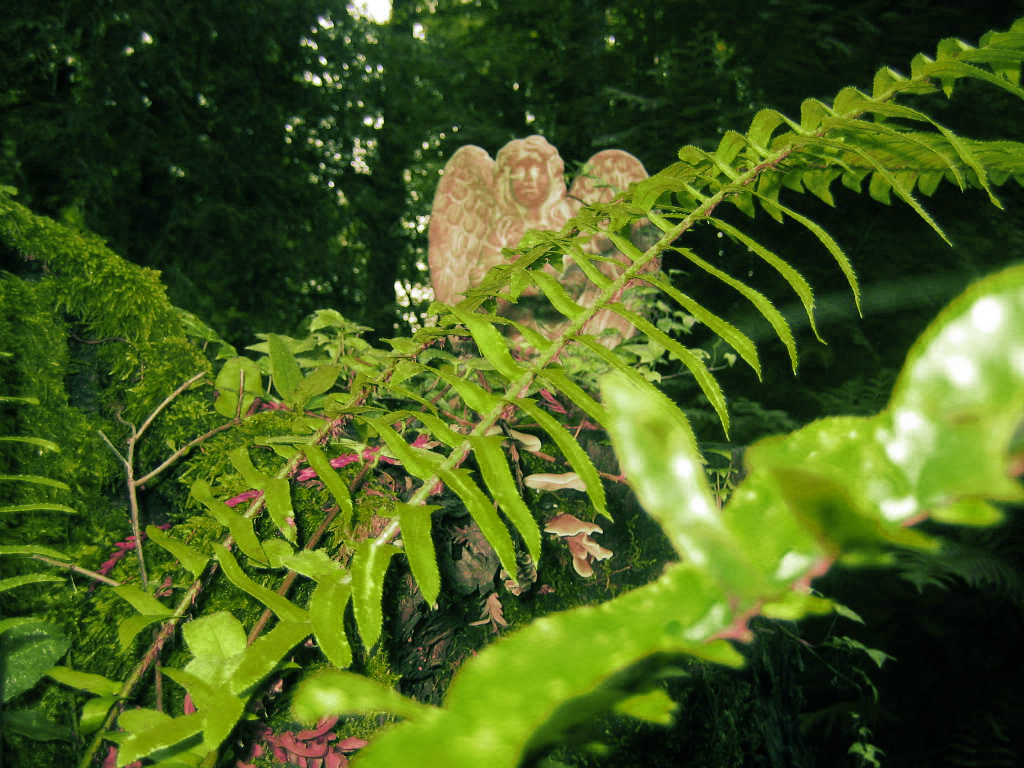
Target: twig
column 185, row 449
column 166, row 401
column 77, row 569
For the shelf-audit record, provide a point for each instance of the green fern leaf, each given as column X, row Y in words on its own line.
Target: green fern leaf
column 556, row 294
column 705, row 380
column 240, row 527
column 484, row 514
column 415, row 523
column 490, row 342
column 572, row 451
column 437, row 426
column 562, row 383
column 191, row 559
column 498, row 478
column 319, row 463
column 285, row 610
column 645, row 389
column 369, row 564
column 791, row 276
column 762, row 304
column 327, row 619
column 729, row 333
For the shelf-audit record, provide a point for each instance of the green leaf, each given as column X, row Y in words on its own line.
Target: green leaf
column 491, row 343
column 219, row 709
column 12, row 582
column 413, row 462
column 645, row 390
column 419, row 548
column 438, row 428
column 654, row 707
column 369, row 564
column 85, row 681
column 281, row 606
column 955, row 69
column 30, row 549
column 262, row 657
column 36, row 480
column 174, row 731
column 18, row 621
column 46, row 445
column 483, row 512
column 27, row 654
column 763, row 305
column 128, row 628
column 573, row 453
column 345, row 693
column 278, row 496
column 192, row 560
column 242, row 463
column 316, row 383
column 140, row 601
column 94, row 713
column 35, row 725
column 314, row 564
column 237, row 375
column 562, row 383
column 217, row 642
column 498, row 477
column 475, row 396
column 705, row 380
column 556, row 294
column 283, row 368
column 968, row 511
column 963, row 377
column 791, row 276
column 327, row 617
column 893, row 181
column 318, row 461
column 36, row 507
column 668, row 477
column 731, row 335
column 240, row 527
column 514, row 696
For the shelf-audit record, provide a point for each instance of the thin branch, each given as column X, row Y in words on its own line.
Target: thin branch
column 185, row 449
column 116, row 452
column 167, row 401
column 77, row 569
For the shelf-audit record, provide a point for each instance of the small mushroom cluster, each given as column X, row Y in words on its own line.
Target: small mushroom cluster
column 578, row 535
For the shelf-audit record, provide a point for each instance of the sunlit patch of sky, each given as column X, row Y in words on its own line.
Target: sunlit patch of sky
column 376, row 10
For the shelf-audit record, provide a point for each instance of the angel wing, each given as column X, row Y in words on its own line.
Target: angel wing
column 460, row 223
column 605, row 175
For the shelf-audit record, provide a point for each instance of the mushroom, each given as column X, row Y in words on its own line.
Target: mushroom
column 549, row 482
column 530, row 443
column 581, row 546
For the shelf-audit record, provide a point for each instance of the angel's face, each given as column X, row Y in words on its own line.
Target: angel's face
column 530, row 183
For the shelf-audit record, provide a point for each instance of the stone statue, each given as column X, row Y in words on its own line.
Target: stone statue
column 483, row 205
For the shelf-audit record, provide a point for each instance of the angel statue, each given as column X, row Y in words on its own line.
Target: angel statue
column 483, row 205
